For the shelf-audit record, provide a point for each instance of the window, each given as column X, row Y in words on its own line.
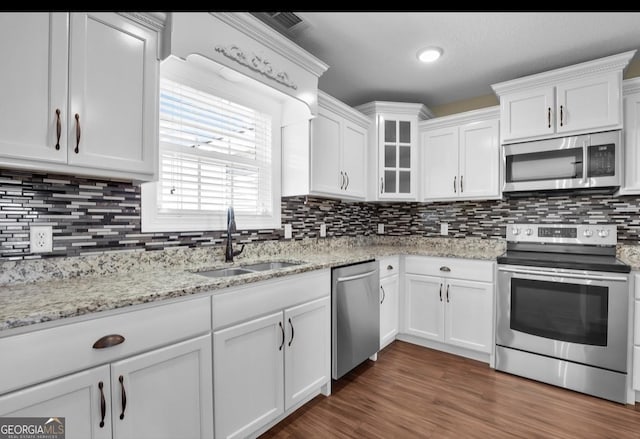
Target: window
column 216, row 150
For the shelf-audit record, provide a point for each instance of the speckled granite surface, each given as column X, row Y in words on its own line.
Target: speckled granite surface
column 33, row 292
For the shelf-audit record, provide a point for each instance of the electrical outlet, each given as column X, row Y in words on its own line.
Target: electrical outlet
column 287, row 231
column 41, row 239
column 444, row 229
column 323, row 230
column 380, row 229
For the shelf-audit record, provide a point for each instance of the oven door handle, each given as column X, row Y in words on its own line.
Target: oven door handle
column 558, row 274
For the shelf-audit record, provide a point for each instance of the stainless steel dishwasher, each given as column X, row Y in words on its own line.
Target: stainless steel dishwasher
column 355, row 315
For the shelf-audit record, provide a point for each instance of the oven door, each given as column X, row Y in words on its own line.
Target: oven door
column 579, row 316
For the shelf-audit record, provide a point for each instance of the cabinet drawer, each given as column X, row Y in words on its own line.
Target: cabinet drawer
column 258, row 299
column 469, row 269
column 69, row 348
column 389, row 265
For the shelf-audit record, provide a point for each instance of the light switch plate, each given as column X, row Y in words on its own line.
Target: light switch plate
column 444, row 229
column 287, row 231
column 323, row 230
column 41, row 239
column 380, row 229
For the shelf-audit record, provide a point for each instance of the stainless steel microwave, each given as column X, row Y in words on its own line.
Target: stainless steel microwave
column 574, row 162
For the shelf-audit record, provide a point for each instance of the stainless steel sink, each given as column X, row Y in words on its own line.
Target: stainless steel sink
column 225, row 272
column 246, row 269
column 263, row 266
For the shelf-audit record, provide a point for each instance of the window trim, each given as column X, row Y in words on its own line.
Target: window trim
column 154, row 220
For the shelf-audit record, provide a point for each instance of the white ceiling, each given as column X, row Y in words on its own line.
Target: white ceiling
column 372, row 55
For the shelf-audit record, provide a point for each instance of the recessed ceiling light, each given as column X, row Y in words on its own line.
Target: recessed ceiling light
column 429, row 54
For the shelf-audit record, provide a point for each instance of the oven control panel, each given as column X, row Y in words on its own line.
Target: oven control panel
column 596, row 234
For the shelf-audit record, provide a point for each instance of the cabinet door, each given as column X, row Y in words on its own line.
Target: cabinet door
column 631, row 144
column 469, row 314
column 168, row 393
column 248, row 376
column 528, row 113
column 326, row 176
column 77, row 398
column 424, row 302
column 33, row 85
column 479, row 160
column 440, row 163
column 388, row 309
column 113, row 84
column 353, row 159
column 396, row 157
column 307, row 358
column 589, row 103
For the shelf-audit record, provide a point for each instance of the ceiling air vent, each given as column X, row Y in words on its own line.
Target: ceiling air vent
column 283, row 22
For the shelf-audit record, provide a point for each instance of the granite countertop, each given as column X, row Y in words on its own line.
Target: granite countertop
column 105, row 288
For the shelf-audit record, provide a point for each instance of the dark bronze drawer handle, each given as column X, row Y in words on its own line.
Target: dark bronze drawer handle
column 389, row 267
column 108, row 340
column 292, row 332
column 77, row 149
column 445, row 268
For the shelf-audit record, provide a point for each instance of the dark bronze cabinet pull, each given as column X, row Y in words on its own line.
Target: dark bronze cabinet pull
column 347, row 185
column 281, row 329
column 292, row 332
column 124, row 396
column 381, row 185
column 445, row 269
column 108, row 340
column 341, row 180
column 549, row 117
column 389, row 267
column 440, row 292
column 461, row 184
column 447, row 293
column 103, row 404
column 454, row 184
column 384, row 295
column 77, row 150
column 58, row 128
column 561, row 115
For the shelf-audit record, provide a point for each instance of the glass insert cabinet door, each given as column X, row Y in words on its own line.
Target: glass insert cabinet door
column 396, row 157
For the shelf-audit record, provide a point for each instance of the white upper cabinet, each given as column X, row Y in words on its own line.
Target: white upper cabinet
column 631, row 155
column 113, row 80
column 582, row 98
column 83, row 94
column 393, row 156
column 33, row 86
column 327, row 155
column 461, row 156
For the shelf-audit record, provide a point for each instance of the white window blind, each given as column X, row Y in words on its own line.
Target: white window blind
column 214, row 153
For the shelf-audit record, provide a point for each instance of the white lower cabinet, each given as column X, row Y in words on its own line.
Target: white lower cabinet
column 75, row 397
column 265, row 366
column 389, row 299
column 450, row 301
column 142, row 374
column 162, row 394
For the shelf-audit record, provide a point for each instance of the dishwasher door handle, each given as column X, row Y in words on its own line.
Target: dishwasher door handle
column 356, row 276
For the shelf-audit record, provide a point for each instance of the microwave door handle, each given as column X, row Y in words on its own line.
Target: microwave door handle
column 585, row 163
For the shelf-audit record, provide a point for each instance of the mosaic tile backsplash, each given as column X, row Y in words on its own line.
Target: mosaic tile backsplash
column 95, row 216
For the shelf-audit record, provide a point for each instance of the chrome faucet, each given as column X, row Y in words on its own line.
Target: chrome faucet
column 231, row 228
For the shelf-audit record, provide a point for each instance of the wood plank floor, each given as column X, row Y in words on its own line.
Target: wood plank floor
column 412, row 391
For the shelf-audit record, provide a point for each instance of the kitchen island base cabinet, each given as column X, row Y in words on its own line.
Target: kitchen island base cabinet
column 162, row 394
column 267, row 367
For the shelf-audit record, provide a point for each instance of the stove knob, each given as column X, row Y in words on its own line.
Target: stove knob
column 528, row 232
column 603, row 233
column 588, row 233
column 515, row 231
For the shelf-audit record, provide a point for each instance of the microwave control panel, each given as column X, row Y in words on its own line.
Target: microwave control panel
column 602, row 160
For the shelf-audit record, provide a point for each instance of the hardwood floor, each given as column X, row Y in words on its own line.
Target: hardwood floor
column 412, row 391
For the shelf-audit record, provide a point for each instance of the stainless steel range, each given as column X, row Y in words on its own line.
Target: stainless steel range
column 563, row 308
